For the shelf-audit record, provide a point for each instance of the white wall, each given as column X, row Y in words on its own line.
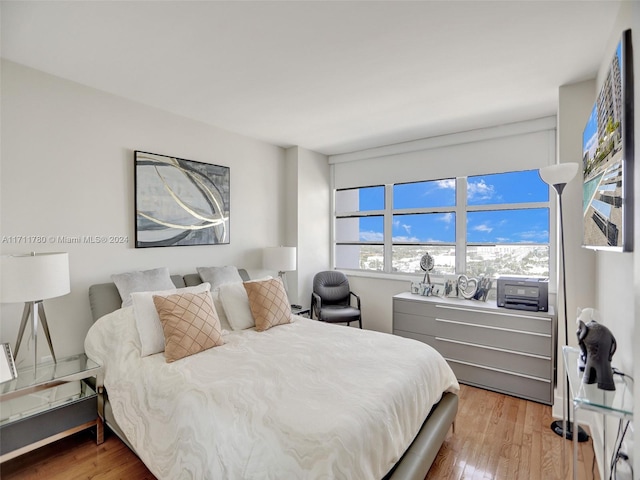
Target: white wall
column 309, row 217
column 67, row 169
column 616, row 296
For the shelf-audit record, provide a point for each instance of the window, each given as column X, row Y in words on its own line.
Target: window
column 478, row 225
column 359, row 228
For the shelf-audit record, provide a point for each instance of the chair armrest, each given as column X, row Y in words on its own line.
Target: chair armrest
column 357, row 299
column 316, row 305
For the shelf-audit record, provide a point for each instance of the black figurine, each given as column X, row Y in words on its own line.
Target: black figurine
column 597, row 345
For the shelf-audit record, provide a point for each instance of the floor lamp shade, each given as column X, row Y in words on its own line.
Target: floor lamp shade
column 558, row 174
column 33, row 277
column 280, row 259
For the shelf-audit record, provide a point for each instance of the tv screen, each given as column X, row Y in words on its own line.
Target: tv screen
column 607, row 162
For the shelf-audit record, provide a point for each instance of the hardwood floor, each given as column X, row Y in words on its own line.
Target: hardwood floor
column 496, row 437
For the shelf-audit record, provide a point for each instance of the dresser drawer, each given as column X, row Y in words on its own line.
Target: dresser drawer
column 414, row 323
column 423, row 308
column 502, row 359
column 522, row 322
column 535, row 389
column 534, row 343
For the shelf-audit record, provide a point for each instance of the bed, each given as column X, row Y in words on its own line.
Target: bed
column 300, row 400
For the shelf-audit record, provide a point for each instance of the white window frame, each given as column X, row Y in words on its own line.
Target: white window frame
column 460, row 209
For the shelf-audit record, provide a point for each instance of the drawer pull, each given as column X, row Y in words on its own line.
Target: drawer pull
column 475, row 312
column 502, row 329
column 507, row 372
column 486, row 347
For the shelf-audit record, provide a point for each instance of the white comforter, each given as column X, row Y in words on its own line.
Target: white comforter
column 304, row 400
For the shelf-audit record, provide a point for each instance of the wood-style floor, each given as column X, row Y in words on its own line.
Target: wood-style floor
column 496, row 437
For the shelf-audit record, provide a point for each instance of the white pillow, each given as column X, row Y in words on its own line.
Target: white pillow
column 218, row 276
column 222, row 315
column 144, row 281
column 236, row 306
column 147, row 319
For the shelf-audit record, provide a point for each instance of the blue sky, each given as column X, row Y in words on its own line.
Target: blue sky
column 494, row 226
column 590, row 134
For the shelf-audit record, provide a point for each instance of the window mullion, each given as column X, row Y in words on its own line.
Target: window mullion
column 388, row 227
column 461, row 224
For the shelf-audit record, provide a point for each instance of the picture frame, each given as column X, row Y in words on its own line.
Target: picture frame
column 608, row 157
column 450, row 288
column 8, row 370
column 180, row 202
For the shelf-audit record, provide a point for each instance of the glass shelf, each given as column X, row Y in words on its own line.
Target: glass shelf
column 618, row 402
column 47, row 375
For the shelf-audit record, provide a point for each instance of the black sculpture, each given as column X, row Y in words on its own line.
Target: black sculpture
column 597, row 345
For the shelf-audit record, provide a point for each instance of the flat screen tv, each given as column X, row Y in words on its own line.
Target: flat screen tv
column 607, row 162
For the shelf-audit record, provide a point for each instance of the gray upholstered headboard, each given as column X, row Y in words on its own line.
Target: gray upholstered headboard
column 104, row 297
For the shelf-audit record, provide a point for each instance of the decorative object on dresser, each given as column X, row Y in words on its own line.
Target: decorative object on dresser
column 488, row 347
column 32, row 278
column 426, row 264
column 180, row 202
column 557, row 176
column 467, row 287
column 281, row 260
column 331, row 299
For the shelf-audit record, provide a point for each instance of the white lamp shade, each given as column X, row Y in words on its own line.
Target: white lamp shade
column 558, row 174
column 33, row 277
column 280, row 259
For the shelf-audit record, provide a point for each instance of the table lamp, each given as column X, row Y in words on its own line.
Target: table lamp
column 280, row 259
column 32, row 278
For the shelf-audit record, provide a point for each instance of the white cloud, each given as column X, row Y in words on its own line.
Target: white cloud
column 403, row 238
column 407, row 228
column 483, row 228
column 447, row 217
column 371, row 236
column 449, row 183
column 480, row 190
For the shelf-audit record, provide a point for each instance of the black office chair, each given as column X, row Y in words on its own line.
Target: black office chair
column 331, row 299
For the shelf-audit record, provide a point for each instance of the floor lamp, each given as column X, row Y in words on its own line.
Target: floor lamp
column 557, row 176
column 32, row 278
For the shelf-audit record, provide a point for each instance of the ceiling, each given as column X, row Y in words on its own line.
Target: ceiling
column 329, row 76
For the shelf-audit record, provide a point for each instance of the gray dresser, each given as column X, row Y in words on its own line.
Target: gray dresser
column 508, row 351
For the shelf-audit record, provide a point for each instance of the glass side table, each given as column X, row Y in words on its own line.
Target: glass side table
column 618, row 402
column 50, row 417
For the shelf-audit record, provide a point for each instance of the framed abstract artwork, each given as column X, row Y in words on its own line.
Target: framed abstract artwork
column 180, row 202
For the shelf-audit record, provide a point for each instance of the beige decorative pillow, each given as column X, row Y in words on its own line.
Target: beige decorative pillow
column 269, row 303
column 190, row 324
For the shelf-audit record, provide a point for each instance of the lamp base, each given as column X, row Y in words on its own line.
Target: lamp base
column 558, row 429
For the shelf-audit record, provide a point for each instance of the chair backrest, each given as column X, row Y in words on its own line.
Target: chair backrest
column 332, row 286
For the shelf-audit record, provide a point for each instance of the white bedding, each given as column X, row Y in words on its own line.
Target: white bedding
column 304, row 400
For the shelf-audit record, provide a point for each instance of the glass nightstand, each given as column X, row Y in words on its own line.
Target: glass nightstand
column 618, row 402
column 50, row 402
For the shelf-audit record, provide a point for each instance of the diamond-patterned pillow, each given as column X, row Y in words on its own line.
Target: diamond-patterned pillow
column 269, row 303
column 190, row 324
